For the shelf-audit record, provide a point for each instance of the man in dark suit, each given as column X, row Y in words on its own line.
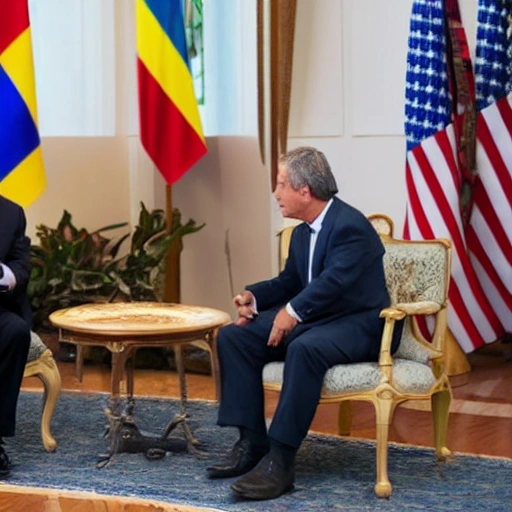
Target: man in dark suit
column 321, row 310
column 14, row 315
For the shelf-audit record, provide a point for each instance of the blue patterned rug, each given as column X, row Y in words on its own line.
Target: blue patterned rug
column 331, row 473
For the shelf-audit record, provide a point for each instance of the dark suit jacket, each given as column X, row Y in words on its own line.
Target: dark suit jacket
column 347, row 275
column 15, row 253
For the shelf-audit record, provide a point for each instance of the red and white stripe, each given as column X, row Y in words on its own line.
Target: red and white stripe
column 481, row 286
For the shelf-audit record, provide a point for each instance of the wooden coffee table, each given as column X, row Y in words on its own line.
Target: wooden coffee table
column 123, row 328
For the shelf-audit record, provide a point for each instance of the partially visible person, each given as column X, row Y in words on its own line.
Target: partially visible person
column 15, row 316
column 321, row 310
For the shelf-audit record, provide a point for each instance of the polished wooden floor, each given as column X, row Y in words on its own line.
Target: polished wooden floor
column 480, row 419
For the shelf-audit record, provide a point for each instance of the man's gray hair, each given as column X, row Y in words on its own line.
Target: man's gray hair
column 308, row 166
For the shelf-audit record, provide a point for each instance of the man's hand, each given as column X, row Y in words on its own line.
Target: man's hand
column 3, row 287
column 283, row 324
column 245, row 304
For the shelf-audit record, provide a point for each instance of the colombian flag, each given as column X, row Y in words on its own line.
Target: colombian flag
column 170, row 126
column 22, row 176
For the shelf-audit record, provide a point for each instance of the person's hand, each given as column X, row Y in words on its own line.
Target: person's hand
column 3, row 287
column 283, row 324
column 245, row 305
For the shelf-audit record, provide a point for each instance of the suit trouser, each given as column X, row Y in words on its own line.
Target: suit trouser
column 14, row 345
column 243, row 352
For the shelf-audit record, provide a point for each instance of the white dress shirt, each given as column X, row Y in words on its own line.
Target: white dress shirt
column 315, row 228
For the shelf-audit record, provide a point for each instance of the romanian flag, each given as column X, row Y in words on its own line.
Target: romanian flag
column 22, row 177
column 170, row 126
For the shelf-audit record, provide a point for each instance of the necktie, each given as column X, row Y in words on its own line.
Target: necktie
column 312, row 242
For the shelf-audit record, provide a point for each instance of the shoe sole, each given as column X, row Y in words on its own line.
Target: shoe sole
column 260, row 496
column 218, row 473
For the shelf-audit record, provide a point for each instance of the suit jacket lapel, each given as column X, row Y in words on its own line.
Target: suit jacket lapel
column 300, row 250
column 323, row 236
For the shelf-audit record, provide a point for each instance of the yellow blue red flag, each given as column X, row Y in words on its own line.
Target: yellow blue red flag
column 22, row 177
column 170, row 126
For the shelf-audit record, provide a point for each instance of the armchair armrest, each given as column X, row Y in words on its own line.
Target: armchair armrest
column 435, row 346
column 398, row 312
column 385, row 359
column 392, row 313
column 425, row 307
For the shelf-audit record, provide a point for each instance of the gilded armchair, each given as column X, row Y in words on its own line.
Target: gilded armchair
column 417, row 277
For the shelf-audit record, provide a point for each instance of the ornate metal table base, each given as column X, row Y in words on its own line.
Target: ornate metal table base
column 127, row 438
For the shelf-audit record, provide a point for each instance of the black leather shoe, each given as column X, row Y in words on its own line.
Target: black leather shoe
column 242, row 458
column 5, row 463
column 268, row 480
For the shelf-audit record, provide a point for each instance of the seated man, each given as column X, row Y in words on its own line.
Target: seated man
column 321, row 310
column 14, row 315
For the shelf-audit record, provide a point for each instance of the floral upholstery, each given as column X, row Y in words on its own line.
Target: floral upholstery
column 408, row 377
column 37, row 347
column 412, row 272
column 409, row 347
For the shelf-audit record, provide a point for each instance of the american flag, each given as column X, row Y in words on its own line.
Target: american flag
column 438, row 175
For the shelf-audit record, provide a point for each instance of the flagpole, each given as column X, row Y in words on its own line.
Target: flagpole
column 172, row 289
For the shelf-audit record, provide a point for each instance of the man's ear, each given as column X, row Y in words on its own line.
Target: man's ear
column 305, row 191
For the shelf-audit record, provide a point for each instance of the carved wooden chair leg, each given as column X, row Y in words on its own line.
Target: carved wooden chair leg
column 45, row 369
column 440, row 412
column 384, row 414
column 345, row 418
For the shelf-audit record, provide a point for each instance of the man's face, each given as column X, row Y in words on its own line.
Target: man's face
column 292, row 203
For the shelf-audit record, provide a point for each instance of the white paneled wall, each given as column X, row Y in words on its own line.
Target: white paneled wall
column 317, row 106
column 376, row 50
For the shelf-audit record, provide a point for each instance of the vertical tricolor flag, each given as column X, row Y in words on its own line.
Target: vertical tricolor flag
column 170, row 126
column 22, row 177
column 459, row 158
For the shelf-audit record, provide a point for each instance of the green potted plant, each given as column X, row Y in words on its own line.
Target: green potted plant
column 72, row 266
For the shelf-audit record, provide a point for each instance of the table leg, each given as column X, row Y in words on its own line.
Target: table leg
column 181, row 418
column 178, row 355
column 79, row 364
column 114, row 407
column 129, row 383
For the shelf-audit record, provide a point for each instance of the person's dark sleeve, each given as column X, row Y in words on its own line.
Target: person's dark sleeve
column 279, row 290
column 18, row 257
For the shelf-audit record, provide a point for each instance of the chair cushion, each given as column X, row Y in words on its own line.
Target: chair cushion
column 408, row 377
column 410, row 348
column 37, row 347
